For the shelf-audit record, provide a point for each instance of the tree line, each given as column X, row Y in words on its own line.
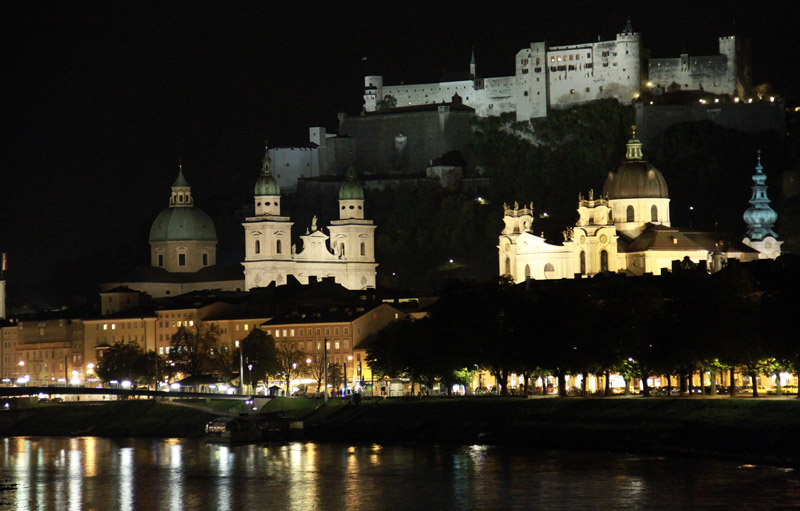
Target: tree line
column 638, row 327
column 197, row 350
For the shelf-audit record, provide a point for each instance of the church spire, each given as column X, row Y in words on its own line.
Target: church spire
column 266, row 163
column 628, row 27
column 472, row 66
column 760, row 217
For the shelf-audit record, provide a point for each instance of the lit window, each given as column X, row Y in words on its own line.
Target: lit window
column 161, row 350
column 336, row 345
column 291, row 332
column 284, row 332
column 246, row 327
column 191, row 323
column 105, row 326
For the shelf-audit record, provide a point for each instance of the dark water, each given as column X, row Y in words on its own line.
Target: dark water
column 135, row 474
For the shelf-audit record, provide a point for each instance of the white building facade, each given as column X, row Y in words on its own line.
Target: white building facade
column 346, row 253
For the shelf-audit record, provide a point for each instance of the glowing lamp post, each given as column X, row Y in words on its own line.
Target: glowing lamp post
column 241, row 368
column 349, row 357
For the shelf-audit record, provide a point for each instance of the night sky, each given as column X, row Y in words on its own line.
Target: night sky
column 101, row 99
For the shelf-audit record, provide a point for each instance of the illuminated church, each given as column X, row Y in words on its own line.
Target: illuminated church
column 183, row 246
column 346, row 254
column 627, row 230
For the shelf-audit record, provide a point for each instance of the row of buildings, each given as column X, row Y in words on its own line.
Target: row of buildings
column 66, row 346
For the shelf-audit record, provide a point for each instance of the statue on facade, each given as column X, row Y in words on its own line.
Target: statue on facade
column 314, row 224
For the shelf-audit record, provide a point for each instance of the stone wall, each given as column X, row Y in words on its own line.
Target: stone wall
column 405, row 142
column 651, row 120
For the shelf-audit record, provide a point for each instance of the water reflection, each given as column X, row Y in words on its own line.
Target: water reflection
column 127, row 474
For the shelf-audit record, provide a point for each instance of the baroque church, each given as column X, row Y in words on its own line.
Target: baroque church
column 183, row 245
column 346, row 254
column 627, row 229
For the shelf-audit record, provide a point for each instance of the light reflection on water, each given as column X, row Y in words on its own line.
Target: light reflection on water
column 137, row 474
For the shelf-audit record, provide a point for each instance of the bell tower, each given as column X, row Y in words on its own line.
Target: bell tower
column 760, row 218
column 352, row 237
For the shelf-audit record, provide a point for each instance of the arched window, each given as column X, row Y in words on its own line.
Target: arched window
column 527, row 272
column 258, row 246
column 278, row 246
column 549, row 270
column 583, row 262
column 653, row 213
column 603, row 260
column 508, row 266
column 629, row 214
column 363, row 249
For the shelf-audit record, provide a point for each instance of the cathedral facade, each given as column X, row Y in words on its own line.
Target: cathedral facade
column 346, row 253
column 628, row 230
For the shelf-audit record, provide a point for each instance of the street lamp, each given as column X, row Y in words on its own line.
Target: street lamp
column 349, row 357
column 241, row 368
column 250, row 376
column 289, row 377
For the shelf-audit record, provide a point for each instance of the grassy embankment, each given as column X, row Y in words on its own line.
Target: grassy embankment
column 755, row 430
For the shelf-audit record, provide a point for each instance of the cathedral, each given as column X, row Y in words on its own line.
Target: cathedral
column 627, row 230
column 346, row 254
column 183, row 245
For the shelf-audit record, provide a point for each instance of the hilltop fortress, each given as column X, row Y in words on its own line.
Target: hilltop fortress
column 561, row 76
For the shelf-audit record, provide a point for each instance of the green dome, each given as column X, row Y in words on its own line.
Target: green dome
column 266, row 185
column 183, row 224
column 350, row 189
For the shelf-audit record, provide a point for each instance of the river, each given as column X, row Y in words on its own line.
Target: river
column 174, row 474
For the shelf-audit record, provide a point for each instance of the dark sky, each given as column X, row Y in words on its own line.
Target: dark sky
column 101, row 99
